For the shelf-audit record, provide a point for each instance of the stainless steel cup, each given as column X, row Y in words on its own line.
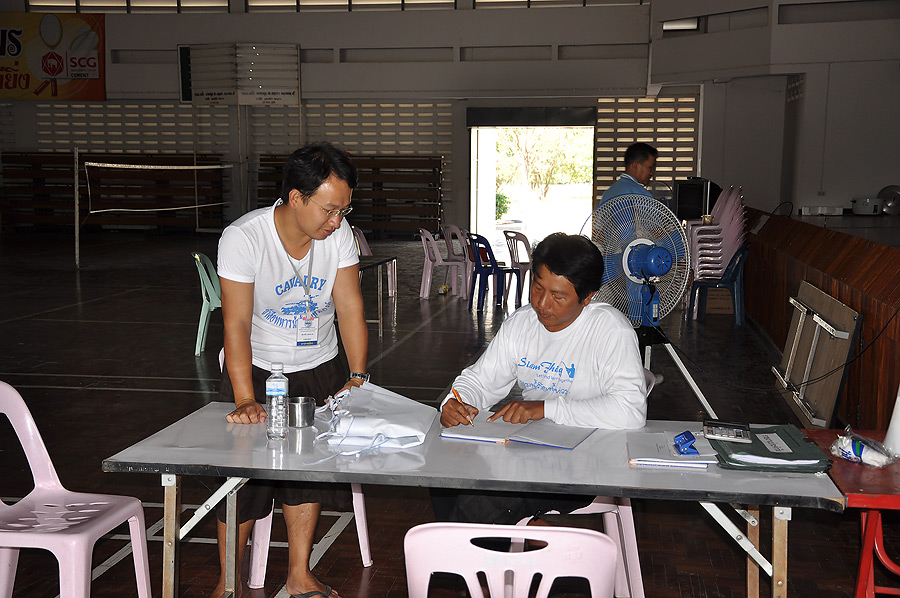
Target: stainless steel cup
column 301, row 411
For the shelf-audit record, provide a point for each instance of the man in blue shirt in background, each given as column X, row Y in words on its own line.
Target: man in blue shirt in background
column 640, row 164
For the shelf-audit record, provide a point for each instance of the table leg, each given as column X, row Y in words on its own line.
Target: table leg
column 171, row 525
column 380, row 302
column 392, row 275
column 752, row 567
column 780, row 518
column 865, row 578
column 232, row 566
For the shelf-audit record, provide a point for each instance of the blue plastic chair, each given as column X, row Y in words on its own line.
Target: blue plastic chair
column 732, row 279
column 212, row 297
column 485, row 266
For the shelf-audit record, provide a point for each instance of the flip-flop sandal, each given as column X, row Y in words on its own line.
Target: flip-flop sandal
column 314, row 593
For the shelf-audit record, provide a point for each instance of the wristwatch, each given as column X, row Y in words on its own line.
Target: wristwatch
column 361, row 375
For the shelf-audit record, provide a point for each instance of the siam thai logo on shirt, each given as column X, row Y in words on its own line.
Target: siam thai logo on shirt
column 547, row 376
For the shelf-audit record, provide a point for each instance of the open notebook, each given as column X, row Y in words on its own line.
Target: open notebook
column 543, row 432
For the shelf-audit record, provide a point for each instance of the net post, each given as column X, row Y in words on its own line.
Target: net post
column 77, row 227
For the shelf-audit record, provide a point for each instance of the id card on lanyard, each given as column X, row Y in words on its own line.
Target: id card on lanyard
column 308, row 322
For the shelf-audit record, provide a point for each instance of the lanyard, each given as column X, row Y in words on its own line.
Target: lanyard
column 303, row 281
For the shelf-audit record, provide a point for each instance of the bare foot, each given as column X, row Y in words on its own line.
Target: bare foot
column 311, row 585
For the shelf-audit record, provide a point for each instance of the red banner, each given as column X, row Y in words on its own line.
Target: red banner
column 52, row 57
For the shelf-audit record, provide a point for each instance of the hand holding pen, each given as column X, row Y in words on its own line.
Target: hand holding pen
column 457, row 412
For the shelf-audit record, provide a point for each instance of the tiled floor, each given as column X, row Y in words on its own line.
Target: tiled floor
column 104, row 357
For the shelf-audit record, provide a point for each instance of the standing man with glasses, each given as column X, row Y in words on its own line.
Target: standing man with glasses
column 286, row 271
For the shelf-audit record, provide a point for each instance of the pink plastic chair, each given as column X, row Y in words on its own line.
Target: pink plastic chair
column 434, row 258
column 68, row 524
column 448, row 548
column 458, row 248
column 618, row 523
column 261, row 535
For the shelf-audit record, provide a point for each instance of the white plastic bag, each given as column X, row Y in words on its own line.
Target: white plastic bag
column 374, row 416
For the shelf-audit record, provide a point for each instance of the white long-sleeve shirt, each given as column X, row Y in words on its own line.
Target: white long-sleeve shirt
column 588, row 374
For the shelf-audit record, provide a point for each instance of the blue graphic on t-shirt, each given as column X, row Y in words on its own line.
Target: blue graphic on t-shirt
column 305, row 308
column 299, row 308
column 547, row 376
column 314, row 283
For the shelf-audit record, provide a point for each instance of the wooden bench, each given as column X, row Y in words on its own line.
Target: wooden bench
column 395, row 194
column 38, row 191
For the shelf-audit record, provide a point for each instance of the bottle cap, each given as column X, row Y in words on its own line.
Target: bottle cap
column 277, row 367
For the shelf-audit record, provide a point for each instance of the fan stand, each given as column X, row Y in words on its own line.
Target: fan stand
column 649, row 336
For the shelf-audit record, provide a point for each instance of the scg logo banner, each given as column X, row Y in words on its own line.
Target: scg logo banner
column 82, row 66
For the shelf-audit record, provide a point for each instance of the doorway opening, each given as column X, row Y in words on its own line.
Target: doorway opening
column 535, row 180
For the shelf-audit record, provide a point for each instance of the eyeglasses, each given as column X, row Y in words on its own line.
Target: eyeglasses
column 331, row 213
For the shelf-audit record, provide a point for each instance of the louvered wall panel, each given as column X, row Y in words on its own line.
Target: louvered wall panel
column 139, row 127
column 386, row 128
column 671, row 124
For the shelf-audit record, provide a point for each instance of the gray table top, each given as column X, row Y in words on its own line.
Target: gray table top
column 203, row 443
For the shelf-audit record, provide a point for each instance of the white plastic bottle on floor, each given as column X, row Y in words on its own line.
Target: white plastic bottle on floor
column 276, row 403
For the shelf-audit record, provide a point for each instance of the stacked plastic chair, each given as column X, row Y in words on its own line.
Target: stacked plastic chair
column 732, row 279
column 718, row 254
column 713, row 245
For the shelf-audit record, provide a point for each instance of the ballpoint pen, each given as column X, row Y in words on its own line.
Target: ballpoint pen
column 456, row 394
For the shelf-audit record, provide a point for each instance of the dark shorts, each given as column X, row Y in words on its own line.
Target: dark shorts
column 505, row 508
column 256, row 498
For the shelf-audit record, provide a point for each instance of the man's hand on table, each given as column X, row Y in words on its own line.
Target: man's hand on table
column 519, row 412
column 249, row 412
column 454, row 413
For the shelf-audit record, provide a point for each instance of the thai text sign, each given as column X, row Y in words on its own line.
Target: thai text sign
column 52, row 57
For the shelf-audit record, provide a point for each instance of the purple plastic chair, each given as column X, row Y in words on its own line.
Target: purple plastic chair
column 63, row 522
column 448, row 548
column 434, row 258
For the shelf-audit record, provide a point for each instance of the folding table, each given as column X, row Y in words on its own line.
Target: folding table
column 203, row 443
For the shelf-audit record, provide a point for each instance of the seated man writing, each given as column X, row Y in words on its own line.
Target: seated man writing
column 576, row 363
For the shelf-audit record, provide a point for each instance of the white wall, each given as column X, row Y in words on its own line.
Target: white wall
column 743, row 131
column 569, row 57
column 843, row 125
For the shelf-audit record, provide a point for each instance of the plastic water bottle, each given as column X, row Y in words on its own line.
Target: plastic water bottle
column 276, row 403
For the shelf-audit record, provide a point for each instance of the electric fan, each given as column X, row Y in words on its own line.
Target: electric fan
column 646, row 268
column 645, row 255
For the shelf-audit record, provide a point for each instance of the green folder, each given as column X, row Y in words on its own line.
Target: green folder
column 774, row 448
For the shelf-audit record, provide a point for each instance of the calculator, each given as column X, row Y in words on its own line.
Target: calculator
column 727, row 431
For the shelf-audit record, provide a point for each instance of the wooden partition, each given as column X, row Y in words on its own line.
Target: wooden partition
column 39, row 191
column 862, row 274
column 395, row 194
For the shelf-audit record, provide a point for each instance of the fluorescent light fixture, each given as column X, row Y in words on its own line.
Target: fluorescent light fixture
column 691, row 24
